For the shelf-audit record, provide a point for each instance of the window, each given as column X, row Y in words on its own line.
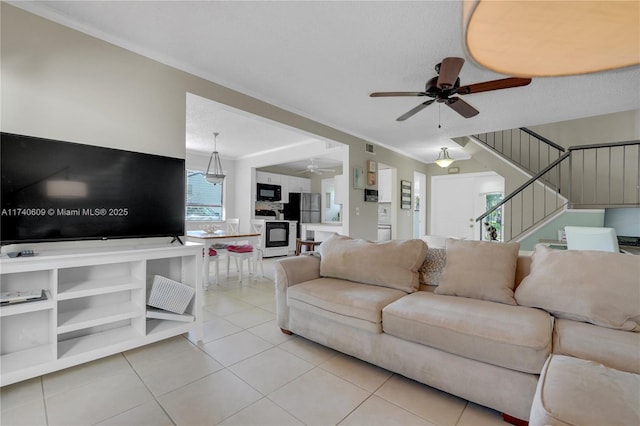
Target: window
column 204, row 199
column 495, row 218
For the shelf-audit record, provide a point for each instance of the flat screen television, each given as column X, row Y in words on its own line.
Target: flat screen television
column 63, row 191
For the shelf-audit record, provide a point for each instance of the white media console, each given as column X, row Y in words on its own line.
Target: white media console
column 95, row 306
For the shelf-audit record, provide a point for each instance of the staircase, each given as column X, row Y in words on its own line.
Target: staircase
column 580, row 177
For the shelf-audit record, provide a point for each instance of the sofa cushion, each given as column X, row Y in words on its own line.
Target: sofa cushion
column 391, row 264
column 480, row 270
column 574, row 391
column 514, row 337
column 619, row 349
column 436, row 241
column 590, row 286
column 432, row 266
column 349, row 302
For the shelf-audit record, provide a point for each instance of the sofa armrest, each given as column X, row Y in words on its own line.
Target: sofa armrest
column 291, row 271
column 295, row 270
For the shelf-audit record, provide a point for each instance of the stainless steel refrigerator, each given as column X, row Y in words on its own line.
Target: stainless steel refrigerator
column 303, row 207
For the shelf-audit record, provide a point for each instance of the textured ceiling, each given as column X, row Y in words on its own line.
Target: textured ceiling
column 322, row 59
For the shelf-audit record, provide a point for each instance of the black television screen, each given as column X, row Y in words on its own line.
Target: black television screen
column 62, row 191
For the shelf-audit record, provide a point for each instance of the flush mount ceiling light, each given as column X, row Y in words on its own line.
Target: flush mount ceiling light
column 529, row 38
column 443, row 158
column 215, row 175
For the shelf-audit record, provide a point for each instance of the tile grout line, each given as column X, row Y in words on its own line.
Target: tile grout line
column 44, row 402
column 462, row 412
column 148, row 390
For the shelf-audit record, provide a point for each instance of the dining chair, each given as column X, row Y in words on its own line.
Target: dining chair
column 258, row 226
column 233, row 225
column 253, row 257
column 217, row 249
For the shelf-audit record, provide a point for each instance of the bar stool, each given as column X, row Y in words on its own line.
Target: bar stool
column 309, row 245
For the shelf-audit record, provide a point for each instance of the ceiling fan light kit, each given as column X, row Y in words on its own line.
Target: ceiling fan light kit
column 552, row 38
column 315, row 169
column 215, row 175
column 444, row 160
column 447, row 84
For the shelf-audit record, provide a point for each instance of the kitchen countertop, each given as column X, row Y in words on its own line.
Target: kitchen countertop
column 321, row 231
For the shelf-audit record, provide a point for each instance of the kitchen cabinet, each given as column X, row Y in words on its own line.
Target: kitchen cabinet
column 293, row 230
column 319, row 231
column 299, row 184
column 287, row 183
column 384, row 232
column 270, row 178
column 294, row 184
column 385, row 186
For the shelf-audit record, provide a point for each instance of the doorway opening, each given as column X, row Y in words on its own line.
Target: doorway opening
column 419, row 204
column 457, row 200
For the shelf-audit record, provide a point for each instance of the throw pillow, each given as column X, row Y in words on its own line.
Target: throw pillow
column 392, row 264
column 431, row 268
column 480, row 270
column 589, row 286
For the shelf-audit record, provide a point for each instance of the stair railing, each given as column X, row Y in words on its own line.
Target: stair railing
column 586, row 176
column 531, row 203
column 523, row 147
column 604, row 175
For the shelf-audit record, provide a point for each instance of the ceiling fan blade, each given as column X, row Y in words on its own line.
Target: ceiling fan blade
column 461, row 107
column 327, row 170
column 449, row 70
column 385, row 94
column 415, row 110
column 504, row 83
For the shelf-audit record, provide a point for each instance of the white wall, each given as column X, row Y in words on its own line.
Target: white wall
column 617, row 127
column 62, row 84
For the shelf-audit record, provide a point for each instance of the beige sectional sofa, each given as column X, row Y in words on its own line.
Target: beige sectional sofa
column 476, row 319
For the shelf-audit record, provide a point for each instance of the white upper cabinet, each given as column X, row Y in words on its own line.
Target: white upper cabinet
column 299, row 184
column 385, row 187
column 270, row 178
column 287, row 183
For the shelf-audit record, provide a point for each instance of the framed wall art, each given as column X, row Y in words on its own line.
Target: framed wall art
column 372, row 166
column 372, row 179
column 358, row 178
column 405, row 194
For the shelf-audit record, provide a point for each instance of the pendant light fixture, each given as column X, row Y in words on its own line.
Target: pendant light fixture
column 443, row 158
column 215, row 175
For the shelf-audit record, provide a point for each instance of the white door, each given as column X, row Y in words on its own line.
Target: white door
column 457, row 200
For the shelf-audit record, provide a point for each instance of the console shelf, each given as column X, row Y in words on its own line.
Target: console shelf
column 86, row 318
column 21, row 308
column 95, row 306
column 96, row 287
column 23, row 360
column 81, row 346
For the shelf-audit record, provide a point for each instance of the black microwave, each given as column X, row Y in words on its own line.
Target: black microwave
column 267, row 192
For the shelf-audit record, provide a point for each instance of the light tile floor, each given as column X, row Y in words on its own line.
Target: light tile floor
column 244, row 372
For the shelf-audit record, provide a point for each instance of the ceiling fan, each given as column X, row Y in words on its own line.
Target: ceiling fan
column 447, row 83
column 313, row 168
